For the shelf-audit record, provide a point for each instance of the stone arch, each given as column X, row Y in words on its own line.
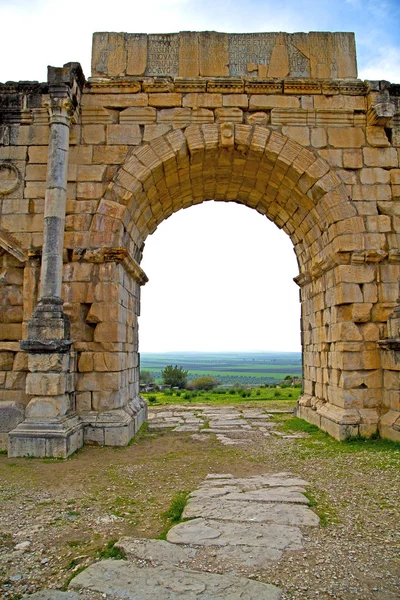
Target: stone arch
column 296, row 189
column 252, row 165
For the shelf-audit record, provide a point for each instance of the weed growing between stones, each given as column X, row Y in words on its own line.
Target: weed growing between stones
column 177, row 506
column 111, row 551
column 173, row 515
column 108, row 551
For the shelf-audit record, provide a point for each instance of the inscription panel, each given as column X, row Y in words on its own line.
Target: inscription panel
column 163, row 54
column 247, row 48
column 212, row 54
column 299, row 64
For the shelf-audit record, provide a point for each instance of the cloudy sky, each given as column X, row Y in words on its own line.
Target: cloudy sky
column 220, row 274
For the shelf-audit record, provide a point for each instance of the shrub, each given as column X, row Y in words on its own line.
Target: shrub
column 146, row 377
column 174, row 376
column 152, row 399
column 204, row 383
column 277, row 394
column 232, row 391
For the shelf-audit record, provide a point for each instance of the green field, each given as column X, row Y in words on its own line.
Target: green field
column 229, row 368
column 266, row 397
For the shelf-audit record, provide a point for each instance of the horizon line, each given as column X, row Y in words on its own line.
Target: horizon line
column 219, row 351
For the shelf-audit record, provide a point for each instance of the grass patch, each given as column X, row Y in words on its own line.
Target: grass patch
column 319, row 444
column 296, row 424
column 326, row 514
column 286, row 396
column 3, row 452
column 176, row 508
column 141, row 434
column 173, row 515
column 111, row 551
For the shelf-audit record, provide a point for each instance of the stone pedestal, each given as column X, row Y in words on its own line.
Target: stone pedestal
column 115, row 427
column 51, row 427
column 41, row 438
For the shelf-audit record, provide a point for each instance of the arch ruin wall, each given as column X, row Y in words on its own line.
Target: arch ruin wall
column 89, row 168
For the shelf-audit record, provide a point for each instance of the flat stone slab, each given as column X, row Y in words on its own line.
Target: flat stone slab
column 187, row 428
column 279, row 494
column 225, row 430
column 155, row 551
column 231, row 510
column 281, row 479
column 227, row 423
column 122, row 580
column 52, row 595
column 213, row 492
column 153, row 425
column 211, row 532
column 232, row 492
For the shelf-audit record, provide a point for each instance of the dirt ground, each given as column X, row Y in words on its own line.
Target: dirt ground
column 57, row 515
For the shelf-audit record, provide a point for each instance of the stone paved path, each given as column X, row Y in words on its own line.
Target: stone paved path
column 231, row 425
column 232, row 523
column 248, row 521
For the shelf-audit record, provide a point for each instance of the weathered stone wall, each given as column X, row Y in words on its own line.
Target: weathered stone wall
column 319, row 157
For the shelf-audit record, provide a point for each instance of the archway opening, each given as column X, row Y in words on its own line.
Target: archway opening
column 220, row 283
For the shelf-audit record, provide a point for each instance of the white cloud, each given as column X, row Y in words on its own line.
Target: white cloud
column 385, row 64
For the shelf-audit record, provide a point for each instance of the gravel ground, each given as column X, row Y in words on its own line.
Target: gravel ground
column 56, row 516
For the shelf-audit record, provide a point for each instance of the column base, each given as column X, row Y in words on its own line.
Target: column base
column 114, row 427
column 57, row 439
column 340, row 423
column 62, row 437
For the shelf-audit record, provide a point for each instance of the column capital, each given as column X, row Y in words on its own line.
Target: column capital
column 60, row 109
column 65, row 91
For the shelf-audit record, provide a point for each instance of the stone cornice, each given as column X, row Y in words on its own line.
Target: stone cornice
column 118, row 255
column 226, row 85
column 357, row 257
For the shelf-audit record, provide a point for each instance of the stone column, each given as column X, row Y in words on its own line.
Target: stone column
column 49, row 325
column 51, row 427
